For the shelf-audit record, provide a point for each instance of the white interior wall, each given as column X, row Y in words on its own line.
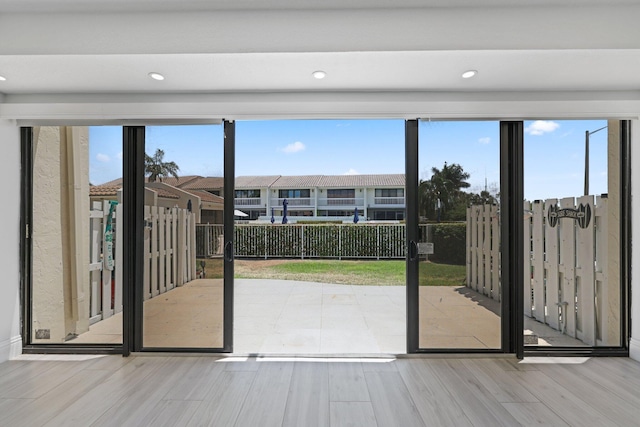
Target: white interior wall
column 10, row 342
column 634, row 345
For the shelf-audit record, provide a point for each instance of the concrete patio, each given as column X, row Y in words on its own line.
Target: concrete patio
column 307, row 318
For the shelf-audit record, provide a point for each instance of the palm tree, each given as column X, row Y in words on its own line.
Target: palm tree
column 157, row 169
column 443, row 189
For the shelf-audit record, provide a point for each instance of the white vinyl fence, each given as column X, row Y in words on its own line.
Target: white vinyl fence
column 565, row 273
column 169, row 248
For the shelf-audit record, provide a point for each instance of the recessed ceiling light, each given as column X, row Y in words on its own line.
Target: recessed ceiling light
column 2, row 78
column 469, row 74
column 156, row 76
column 319, row 74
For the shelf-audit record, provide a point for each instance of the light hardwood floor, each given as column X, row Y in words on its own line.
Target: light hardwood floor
column 160, row 390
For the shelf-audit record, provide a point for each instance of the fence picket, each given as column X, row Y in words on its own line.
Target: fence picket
column 155, row 289
column 162, row 250
column 603, row 309
column 106, row 273
column 495, row 253
column 585, row 322
column 551, row 262
column 567, row 270
column 117, row 301
column 526, row 280
column 486, row 249
column 538, row 259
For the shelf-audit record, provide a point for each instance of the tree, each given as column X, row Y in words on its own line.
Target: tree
column 441, row 195
column 157, row 169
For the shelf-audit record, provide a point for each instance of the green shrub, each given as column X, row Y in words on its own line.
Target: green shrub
column 449, row 243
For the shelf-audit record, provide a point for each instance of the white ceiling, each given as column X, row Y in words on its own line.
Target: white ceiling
column 58, row 49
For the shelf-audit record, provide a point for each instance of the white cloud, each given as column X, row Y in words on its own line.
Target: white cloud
column 294, row 148
column 540, row 127
column 484, row 140
column 351, row 172
column 102, row 158
column 119, row 155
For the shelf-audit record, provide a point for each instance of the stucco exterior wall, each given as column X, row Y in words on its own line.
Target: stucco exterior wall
column 10, row 341
column 60, row 234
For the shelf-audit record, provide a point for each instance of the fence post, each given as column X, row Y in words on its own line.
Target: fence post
column 162, row 251
column 302, row 241
column 95, row 266
column 147, row 253
column 603, row 290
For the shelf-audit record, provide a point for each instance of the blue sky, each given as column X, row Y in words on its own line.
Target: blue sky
column 554, row 150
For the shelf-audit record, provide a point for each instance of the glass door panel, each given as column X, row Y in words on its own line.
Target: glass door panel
column 572, row 190
column 183, row 286
column 76, row 281
column 459, row 241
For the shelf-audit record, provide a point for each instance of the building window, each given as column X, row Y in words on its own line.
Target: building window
column 389, row 192
column 341, row 193
column 294, row 194
column 247, row 194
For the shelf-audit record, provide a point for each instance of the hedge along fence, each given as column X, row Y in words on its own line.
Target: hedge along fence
column 372, row 241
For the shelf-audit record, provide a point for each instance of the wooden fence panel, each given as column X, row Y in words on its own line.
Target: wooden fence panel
column 475, row 265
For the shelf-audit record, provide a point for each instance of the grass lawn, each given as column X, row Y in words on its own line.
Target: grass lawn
column 366, row 272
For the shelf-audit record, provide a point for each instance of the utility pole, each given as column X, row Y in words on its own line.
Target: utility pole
column 586, row 158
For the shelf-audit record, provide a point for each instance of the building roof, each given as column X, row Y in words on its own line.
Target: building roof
column 180, row 182
column 350, row 181
column 205, row 196
column 297, row 181
column 255, row 181
column 202, row 183
column 112, row 190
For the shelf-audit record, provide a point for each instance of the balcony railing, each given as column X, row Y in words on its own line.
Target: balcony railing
column 389, row 201
column 248, row 201
column 293, row 201
column 346, row 202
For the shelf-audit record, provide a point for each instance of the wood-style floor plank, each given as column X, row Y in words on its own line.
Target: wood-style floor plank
column 561, row 400
column 499, row 383
column 58, row 398
column 476, row 401
column 391, row 401
column 265, row 404
column 308, row 400
column 432, row 399
column 534, row 414
column 171, row 413
column 347, row 383
column 352, row 414
column 197, row 380
column 224, row 401
column 595, row 395
column 88, row 408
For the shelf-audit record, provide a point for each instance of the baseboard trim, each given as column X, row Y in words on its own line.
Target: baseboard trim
column 634, row 349
column 10, row 348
